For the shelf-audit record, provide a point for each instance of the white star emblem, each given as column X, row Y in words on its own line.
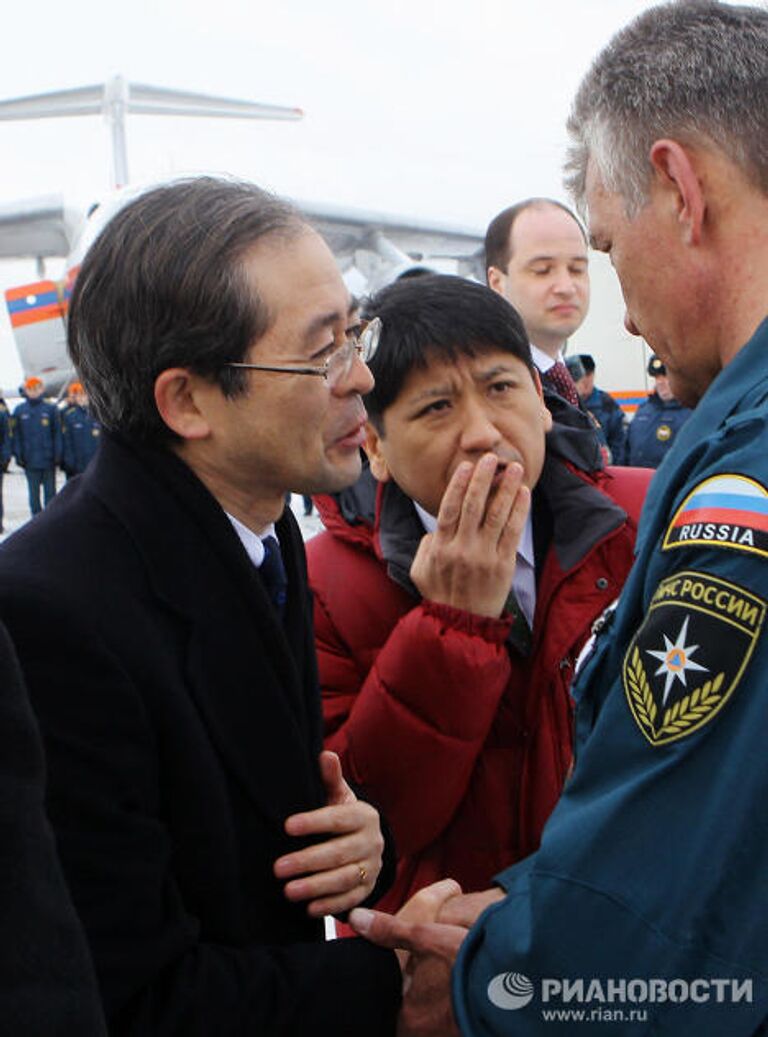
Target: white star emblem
column 676, row 660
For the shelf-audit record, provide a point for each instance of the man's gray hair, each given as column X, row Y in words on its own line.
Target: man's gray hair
column 692, row 70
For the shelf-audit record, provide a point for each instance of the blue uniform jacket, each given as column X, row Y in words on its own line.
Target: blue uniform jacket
column 80, row 437
column 654, row 865
column 36, row 434
column 652, row 431
column 611, row 418
column 5, row 437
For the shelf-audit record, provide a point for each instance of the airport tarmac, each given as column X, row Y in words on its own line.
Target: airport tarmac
column 16, row 505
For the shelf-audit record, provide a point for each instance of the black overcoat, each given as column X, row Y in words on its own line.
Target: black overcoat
column 182, row 725
column 47, row 983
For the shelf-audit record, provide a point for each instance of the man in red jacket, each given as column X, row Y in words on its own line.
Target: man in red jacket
column 457, row 582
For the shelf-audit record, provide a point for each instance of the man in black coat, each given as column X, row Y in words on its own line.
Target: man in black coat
column 161, row 614
column 47, row 985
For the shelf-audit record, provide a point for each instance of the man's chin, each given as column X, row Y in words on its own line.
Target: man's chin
column 340, row 472
column 568, row 326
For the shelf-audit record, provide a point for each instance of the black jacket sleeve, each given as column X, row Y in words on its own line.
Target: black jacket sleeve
column 47, row 983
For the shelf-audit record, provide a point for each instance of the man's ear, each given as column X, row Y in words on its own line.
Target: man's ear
column 496, row 279
column 675, row 170
column 372, row 447
column 546, row 414
column 176, row 398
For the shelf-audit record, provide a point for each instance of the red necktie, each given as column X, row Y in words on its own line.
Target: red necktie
column 559, row 378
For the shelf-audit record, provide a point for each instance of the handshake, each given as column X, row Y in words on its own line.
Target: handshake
column 426, row 934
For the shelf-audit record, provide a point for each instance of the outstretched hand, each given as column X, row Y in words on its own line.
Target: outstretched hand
column 467, row 908
column 427, row 950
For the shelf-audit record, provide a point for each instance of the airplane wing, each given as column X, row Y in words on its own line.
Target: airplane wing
column 36, row 228
column 382, row 246
column 371, row 248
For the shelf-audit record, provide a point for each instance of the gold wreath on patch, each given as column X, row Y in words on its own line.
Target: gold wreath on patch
column 690, row 653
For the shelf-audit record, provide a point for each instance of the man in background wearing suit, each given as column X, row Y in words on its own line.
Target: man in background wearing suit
column 536, row 257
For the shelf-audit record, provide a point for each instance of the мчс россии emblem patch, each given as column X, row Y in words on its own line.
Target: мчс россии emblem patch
column 689, row 654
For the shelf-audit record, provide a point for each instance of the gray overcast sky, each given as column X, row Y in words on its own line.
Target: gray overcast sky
column 444, row 110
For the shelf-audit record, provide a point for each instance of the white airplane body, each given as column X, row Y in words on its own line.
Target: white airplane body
column 371, row 248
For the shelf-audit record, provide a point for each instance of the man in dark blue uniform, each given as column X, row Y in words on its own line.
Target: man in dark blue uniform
column 656, row 422
column 37, row 442
column 80, row 432
column 603, row 406
column 646, row 908
column 579, row 375
column 5, row 450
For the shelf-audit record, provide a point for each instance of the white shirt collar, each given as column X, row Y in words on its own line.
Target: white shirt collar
column 542, row 360
column 252, row 542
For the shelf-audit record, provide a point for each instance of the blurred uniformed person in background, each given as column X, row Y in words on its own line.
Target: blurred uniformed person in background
column 578, row 373
column 603, row 406
column 5, row 450
column 80, row 432
column 37, row 442
column 657, row 421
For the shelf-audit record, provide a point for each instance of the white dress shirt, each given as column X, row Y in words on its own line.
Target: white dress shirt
column 544, row 361
column 251, row 541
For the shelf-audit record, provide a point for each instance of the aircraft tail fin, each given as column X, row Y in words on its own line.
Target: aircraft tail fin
column 36, row 312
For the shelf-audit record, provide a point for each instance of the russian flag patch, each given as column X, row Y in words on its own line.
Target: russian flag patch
column 726, row 510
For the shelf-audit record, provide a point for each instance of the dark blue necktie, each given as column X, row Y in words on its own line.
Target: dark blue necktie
column 272, row 572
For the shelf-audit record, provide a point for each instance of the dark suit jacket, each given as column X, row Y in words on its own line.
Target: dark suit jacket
column 47, row 983
column 182, row 725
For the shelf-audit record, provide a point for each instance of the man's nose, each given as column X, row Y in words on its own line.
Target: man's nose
column 479, row 432
column 564, row 283
column 358, row 379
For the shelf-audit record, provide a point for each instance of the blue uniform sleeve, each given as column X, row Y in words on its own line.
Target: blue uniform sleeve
column 17, row 437
column 649, row 893
column 67, row 453
column 5, row 438
column 615, row 431
column 57, row 437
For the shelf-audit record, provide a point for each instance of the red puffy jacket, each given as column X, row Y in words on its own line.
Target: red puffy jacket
column 461, row 741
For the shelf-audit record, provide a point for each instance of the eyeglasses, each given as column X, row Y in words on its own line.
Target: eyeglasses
column 361, row 341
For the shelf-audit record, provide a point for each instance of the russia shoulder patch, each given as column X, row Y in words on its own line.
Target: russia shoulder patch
column 727, row 510
column 689, row 654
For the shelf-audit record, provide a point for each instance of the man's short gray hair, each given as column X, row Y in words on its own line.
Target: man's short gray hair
column 692, row 70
